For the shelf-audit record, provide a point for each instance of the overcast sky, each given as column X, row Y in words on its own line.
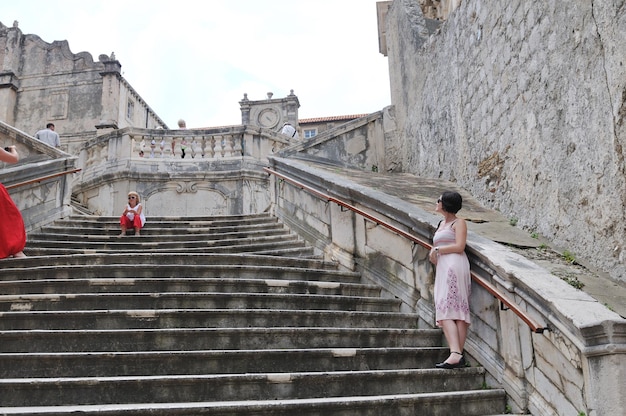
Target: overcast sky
column 194, row 59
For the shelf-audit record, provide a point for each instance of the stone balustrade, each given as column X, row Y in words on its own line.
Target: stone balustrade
column 178, row 172
column 188, row 146
column 216, row 143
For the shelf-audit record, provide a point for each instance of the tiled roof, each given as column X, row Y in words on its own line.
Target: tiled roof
column 328, row 119
column 302, row 121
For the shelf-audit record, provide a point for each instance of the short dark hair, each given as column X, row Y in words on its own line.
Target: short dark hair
column 451, row 202
column 49, row 125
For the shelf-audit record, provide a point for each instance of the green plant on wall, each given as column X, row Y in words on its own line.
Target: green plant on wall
column 574, row 282
column 569, row 256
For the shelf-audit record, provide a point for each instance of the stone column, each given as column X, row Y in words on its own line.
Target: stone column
column 111, row 88
column 245, row 110
column 9, row 73
column 8, row 96
column 292, row 104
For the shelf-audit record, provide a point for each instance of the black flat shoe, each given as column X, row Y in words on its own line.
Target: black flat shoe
column 447, row 366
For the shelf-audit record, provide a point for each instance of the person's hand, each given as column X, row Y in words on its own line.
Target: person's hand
column 432, row 256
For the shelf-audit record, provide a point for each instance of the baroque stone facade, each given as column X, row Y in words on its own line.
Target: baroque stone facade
column 524, row 105
column 43, row 82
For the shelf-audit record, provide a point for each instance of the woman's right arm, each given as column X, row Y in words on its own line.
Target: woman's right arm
column 11, row 156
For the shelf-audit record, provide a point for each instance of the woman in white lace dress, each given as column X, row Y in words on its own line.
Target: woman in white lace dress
column 452, row 278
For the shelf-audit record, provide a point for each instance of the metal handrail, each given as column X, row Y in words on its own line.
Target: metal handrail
column 43, row 178
column 510, row 304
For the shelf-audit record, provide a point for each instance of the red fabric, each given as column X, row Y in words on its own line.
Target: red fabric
column 135, row 223
column 12, row 231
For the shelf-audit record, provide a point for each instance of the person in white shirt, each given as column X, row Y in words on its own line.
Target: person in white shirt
column 289, row 130
column 49, row 136
column 133, row 216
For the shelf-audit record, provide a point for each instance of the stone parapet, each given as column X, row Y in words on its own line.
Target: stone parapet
column 572, row 367
column 37, row 183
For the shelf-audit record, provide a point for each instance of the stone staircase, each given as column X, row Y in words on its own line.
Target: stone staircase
column 230, row 315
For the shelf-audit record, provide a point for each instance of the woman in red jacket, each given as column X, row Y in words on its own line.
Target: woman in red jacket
column 12, row 231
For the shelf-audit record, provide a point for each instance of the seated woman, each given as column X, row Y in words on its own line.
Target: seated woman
column 133, row 216
column 12, row 231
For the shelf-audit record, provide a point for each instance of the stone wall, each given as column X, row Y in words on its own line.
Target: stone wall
column 524, row 105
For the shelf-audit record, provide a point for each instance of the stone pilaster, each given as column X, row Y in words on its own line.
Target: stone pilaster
column 9, row 85
column 111, row 87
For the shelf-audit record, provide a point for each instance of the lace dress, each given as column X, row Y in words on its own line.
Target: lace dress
column 452, row 280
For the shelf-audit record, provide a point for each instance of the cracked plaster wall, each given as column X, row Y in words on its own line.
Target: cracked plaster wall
column 524, row 105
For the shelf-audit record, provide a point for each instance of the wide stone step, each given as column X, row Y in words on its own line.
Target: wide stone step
column 250, row 246
column 58, row 391
column 191, row 300
column 246, row 219
column 106, row 364
column 466, row 403
column 187, row 339
column 90, row 241
column 184, row 284
column 168, row 259
column 286, row 250
column 238, row 221
column 201, row 318
column 154, row 235
column 60, row 268
column 124, row 244
column 111, row 233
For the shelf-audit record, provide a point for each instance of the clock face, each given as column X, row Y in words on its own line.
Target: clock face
column 268, row 118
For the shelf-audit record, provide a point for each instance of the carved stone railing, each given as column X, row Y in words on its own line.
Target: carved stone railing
column 178, row 172
column 187, row 146
column 216, row 143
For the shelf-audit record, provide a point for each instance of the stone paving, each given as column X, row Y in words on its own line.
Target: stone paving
column 491, row 224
